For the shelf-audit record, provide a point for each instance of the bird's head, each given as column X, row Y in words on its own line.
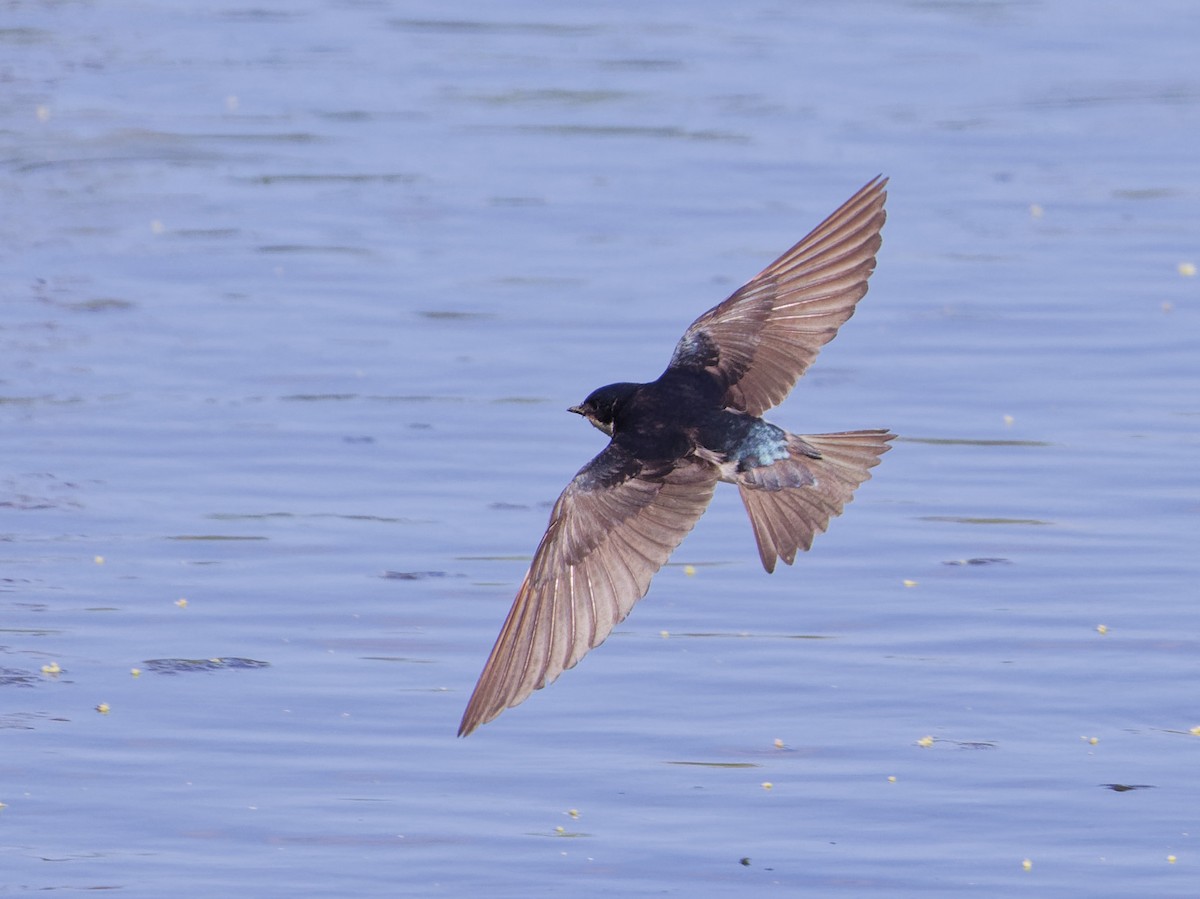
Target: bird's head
column 602, row 406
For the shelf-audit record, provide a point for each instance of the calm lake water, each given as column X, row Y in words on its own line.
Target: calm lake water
column 294, row 298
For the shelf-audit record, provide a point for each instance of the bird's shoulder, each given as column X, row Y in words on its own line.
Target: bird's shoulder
column 610, row 468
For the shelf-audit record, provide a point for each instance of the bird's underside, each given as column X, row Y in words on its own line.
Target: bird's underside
column 627, row 510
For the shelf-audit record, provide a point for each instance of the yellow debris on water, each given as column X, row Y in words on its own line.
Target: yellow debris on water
column 1008, row 420
column 103, row 708
column 1170, row 859
column 1102, row 628
column 52, row 668
column 1026, row 864
column 1195, row 731
column 99, row 560
column 891, row 778
column 778, row 743
column 766, row 785
column 925, row 742
column 136, row 672
column 573, row 812
column 1187, row 269
column 909, row 583
column 689, row 570
column 181, row 602
column 1036, row 211
column 664, row 634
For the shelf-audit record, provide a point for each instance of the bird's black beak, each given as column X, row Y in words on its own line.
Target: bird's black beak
column 578, row 410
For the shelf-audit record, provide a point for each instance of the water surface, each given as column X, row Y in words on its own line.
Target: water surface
column 294, row 299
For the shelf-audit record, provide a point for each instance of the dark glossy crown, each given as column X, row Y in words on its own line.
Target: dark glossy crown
column 604, row 403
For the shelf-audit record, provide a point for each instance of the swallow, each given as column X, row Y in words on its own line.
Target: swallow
column 673, row 439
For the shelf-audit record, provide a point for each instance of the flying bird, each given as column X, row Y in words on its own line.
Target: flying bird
column 673, row 439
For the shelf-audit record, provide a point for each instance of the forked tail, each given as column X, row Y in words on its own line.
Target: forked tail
column 792, row 501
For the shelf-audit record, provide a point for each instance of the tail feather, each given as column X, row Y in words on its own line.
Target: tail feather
column 793, row 500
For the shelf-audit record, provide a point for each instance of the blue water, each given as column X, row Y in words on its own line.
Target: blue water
column 294, row 299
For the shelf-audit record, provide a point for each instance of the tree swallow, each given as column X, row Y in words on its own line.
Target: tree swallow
column 673, row 439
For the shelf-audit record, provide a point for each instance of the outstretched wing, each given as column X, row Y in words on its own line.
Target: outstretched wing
column 612, row 529
column 763, row 338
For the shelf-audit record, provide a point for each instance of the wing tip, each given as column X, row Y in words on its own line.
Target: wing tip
column 473, row 717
